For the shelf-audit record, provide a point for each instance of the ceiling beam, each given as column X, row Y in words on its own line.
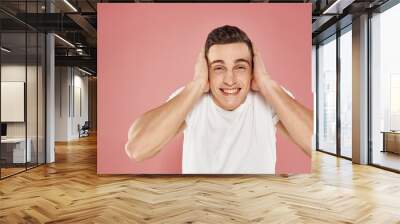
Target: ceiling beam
column 86, row 26
column 337, row 6
column 83, row 61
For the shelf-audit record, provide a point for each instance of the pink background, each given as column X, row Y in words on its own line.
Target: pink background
column 146, row 51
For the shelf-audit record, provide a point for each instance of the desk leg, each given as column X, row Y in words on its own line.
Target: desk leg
column 384, row 142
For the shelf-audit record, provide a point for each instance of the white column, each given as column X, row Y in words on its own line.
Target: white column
column 50, row 92
column 360, row 90
column 50, row 99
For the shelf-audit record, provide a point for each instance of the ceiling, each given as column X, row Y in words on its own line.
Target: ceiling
column 76, row 22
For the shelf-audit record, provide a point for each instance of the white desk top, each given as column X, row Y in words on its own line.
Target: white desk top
column 13, row 140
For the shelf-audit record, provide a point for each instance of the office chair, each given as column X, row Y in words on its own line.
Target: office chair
column 84, row 130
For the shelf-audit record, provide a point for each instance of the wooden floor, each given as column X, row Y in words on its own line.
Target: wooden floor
column 8, row 171
column 70, row 191
column 5, row 172
column 388, row 159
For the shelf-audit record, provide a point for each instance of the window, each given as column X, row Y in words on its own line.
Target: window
column 346, row 92
column 385, row 89
column 327, row 95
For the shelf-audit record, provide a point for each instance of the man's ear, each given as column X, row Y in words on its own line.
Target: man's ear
column 207, row 60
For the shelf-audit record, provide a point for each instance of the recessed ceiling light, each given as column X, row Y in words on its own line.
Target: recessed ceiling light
column 84, row 71
column 70, row 5
column 5, row 50
column 337, row 7
column 64, row 40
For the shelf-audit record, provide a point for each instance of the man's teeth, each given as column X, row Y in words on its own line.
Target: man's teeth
column 231, row 91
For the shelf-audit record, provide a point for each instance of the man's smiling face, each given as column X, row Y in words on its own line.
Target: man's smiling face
column 230, row 74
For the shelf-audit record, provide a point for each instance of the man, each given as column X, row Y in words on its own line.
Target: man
column 229, row 113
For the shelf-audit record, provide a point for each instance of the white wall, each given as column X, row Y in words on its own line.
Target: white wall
column 70, row 83
column 62, row 80
column 12, row 73
column 80, row 84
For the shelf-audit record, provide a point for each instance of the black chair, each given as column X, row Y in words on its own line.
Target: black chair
column 84, row 130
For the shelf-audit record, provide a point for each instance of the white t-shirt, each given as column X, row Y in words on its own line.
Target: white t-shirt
column 217, row 141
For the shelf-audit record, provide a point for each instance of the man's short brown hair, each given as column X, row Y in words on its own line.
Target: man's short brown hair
column 227, row 35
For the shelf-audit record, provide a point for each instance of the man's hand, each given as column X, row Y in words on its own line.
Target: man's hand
column 201, row 71
column 295, row 120
column 260, row 75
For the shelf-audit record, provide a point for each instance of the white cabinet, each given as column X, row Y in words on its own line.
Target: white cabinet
column 17, row 146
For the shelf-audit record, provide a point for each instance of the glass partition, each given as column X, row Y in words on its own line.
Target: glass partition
column 22, row 88
column 327, row 95
column 13, row 98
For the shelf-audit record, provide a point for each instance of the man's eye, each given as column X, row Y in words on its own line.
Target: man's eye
column 218, row 68
column 241, row 67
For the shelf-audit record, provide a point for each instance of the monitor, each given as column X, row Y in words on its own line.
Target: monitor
column 3, row 129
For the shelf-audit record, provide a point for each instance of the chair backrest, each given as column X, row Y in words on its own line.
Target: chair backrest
column 86, row 124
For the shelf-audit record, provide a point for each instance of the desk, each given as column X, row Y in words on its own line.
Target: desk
column 13, row 150
column 391, row 141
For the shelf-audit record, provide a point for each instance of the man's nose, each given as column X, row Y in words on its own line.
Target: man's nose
column 229, row 78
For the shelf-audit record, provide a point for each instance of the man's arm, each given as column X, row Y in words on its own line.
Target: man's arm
column 296, row 120
column 151, row 131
